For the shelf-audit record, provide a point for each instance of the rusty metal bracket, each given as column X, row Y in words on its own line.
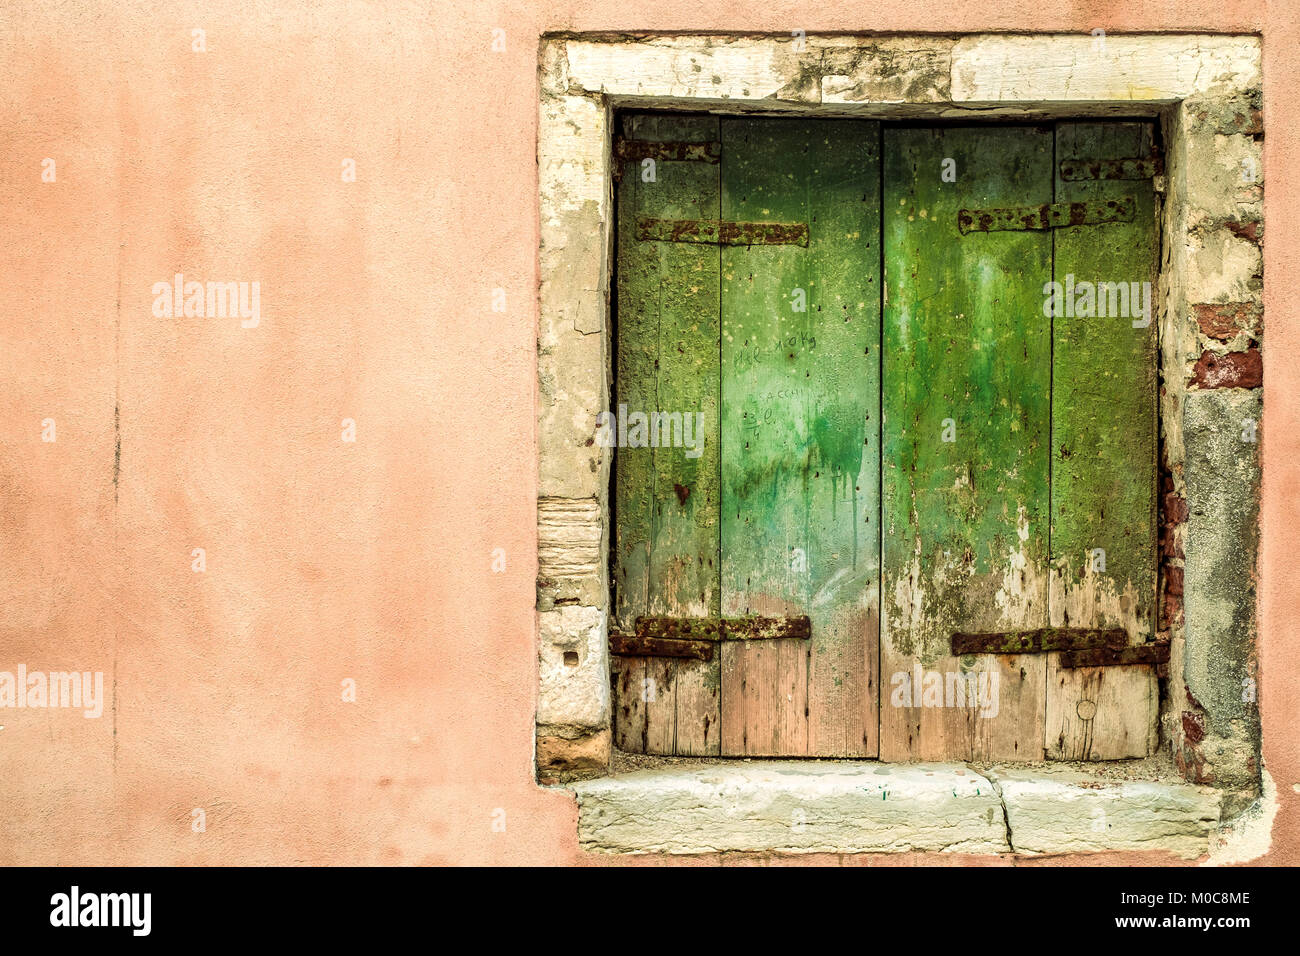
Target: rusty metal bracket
column 1157, row 654
column 629, row 645
column 1041, row 640
column 725, row 628
column 1083, row 170
column 1079, row 646
column 695, row 637
column 719, row 232
column 635, row 150
column 1060, row 215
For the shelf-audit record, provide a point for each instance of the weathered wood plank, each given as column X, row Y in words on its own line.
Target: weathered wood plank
column 699, row 708
column 666, row 499
column 637, row 284
column 1104, row 475
column 800, row 361
column 842, row 422
column 755, row 281
column 966, row 387
column 634, row 382
column 628, row 678
column 752, row 703
column 659, row 693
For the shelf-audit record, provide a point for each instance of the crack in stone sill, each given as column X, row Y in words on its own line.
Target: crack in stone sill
column 997, row 788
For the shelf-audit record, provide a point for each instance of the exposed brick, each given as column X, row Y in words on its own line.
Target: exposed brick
column 1191, row 764
column 1224, row 320
column 1252, row 231
column 1171, row 611
column 1175, row 508
column 1173, row 513
column 1229, row 370
column 1187, row 756
column 1193, row 727
column 1174, row 579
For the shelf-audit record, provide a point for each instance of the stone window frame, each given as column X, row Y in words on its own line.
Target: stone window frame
column 1205, row 90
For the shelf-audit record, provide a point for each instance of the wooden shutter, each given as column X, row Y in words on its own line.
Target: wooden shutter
column 967, row 358
column 666, row 504
column 800, row 436
column 1017, row 445
column 1104, row 475
column 1050, row 418
column 779, row 517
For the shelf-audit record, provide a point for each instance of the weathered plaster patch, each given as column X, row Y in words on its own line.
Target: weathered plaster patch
column 1250, row 835
column 1222, row 531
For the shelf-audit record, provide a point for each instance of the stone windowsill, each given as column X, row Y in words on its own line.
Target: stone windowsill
column 868, row 807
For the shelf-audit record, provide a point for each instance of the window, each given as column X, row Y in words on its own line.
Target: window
column 879, row 390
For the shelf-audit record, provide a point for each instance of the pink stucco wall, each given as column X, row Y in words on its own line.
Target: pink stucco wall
column 371, row 560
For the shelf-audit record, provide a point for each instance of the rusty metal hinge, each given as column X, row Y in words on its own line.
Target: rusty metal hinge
column 1083, row 170
column 720, row 232
column 1078, row 646
column 1039, row 640
column 1157, row 653
column 695, row 637
column 635, row 150
column 1059, row 215
column 622, row 644
column 751, row 628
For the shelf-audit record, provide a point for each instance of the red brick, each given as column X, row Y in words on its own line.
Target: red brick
column 1175, row 508
column 1174, row 579
column 1228, row 370
column 1223, row 320
column 1245, row 230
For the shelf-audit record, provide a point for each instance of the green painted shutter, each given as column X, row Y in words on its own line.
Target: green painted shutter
column 800, row 436
column 799, row 446
column 966, row 384
column 1104, row 452
column 666, row 503
column 1018, row 446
